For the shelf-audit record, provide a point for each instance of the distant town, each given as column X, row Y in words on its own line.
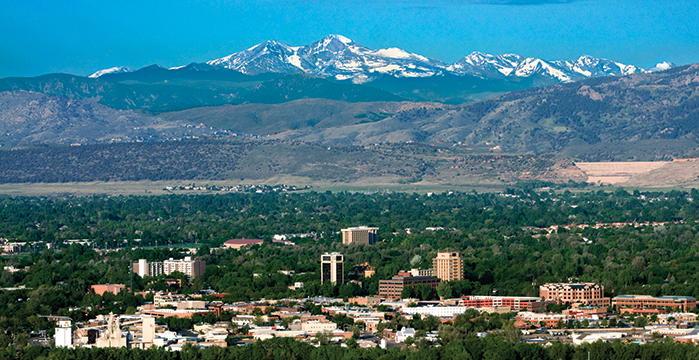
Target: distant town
column 569, row 312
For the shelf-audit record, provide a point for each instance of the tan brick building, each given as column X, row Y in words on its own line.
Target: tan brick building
column 448, row 266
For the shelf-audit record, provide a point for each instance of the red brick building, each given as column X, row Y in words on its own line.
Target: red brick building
column 652, row 304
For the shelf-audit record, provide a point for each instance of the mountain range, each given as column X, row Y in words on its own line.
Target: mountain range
column 340, row 58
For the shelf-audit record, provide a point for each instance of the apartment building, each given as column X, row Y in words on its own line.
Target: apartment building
column 193, row 268
column 360, row 235
column 144, row 268
column 448, row 266
column 188, row 266
column 574, row 293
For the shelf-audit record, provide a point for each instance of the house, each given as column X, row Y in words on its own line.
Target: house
column 404, row 333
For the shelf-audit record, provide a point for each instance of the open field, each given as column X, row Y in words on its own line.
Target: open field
column 157, row 187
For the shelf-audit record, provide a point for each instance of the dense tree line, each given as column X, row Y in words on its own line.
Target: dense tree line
column 470, row 347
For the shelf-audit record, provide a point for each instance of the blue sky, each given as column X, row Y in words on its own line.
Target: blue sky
column 79, row 36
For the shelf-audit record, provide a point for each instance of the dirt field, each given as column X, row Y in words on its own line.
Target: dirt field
column 614, row 173
column 660, row 174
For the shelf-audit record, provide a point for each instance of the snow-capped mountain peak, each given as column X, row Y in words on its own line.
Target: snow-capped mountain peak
column 530, row 66
column 332, row 56
column 337, row 56
column 111, row 70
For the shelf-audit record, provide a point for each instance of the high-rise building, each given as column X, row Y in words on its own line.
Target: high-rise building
column 361, row 235
column 144, row 268
column 448, row 266
column 332, row 268
column 188, row 266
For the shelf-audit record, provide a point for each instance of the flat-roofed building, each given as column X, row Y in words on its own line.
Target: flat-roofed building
column 448, row 266
column 638, row 303
column 332, row 268
column 360, row 235
column 574, row 293
column 393, row 288
column 421, row 272
column 144, row 268
column 513, row 303
column 191, row 267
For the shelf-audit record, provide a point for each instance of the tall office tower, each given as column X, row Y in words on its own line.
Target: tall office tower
column 361, row 235
column 332, row 268
column 448, row 266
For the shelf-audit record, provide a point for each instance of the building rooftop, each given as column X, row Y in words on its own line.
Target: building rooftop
column 363, row 227
column 244, row 241
column 667, row 297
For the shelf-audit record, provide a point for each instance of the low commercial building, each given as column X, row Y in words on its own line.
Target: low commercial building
column 241, row 243
column 362, row 271
column 658, row 304
column 436, row 311
column 684, row 318
column 393, row 288
column 513, row 303
column 527, row 319
column 360, row 235
column 318, row 326
column 574, row 293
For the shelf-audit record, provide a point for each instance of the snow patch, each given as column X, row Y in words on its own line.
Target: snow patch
column 111, row 70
